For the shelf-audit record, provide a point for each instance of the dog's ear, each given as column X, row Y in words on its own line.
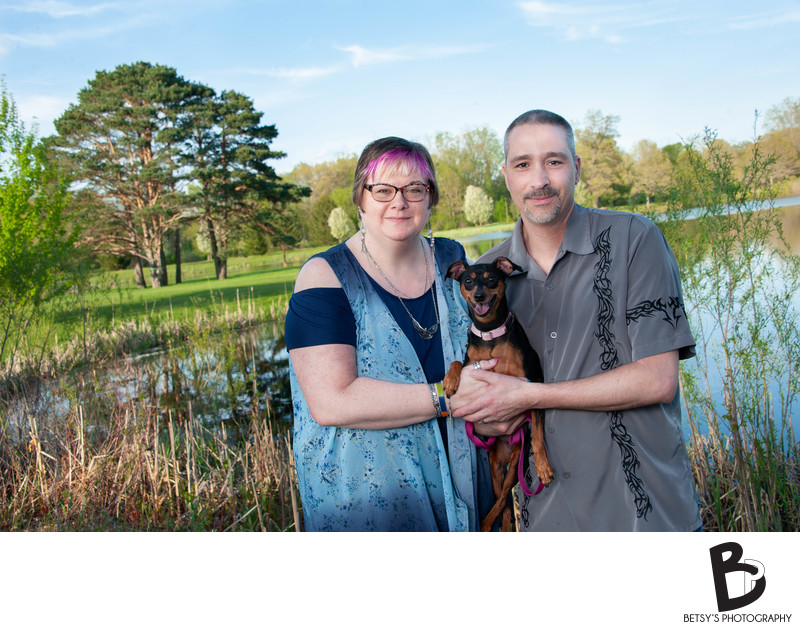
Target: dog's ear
column 456, row 269
column 506, row 266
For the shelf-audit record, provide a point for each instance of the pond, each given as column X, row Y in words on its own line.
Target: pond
column 222, row 380
column 225, row 379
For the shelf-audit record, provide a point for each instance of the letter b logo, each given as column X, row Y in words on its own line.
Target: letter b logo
column 753, row 588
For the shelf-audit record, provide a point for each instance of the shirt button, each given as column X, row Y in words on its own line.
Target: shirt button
column 567, row 475
column 553, row 335
column 551, row 430
column 549, row 286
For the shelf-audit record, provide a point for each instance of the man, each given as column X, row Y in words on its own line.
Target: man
column 600, row 298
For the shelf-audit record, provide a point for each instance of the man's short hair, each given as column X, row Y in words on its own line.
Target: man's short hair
column 542, row 117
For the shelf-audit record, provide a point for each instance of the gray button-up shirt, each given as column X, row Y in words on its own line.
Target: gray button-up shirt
column 613, row 296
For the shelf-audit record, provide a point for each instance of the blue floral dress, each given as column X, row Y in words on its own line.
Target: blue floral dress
column 396, row 479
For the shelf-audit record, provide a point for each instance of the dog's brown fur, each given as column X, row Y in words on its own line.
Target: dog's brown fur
column 484, row 285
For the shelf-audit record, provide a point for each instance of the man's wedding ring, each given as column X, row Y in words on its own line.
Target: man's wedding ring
column 477, row 365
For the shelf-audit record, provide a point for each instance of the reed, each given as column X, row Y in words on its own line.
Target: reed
column 133, row 467
column 79, row 453
column 739, row 279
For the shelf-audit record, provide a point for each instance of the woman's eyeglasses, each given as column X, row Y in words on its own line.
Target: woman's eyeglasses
column 387, row 192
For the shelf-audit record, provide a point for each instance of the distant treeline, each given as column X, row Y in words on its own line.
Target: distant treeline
column 609, row 176
column 163, row 170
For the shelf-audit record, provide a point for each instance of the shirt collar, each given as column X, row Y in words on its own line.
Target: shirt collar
column 517, row 252
column 577, row 238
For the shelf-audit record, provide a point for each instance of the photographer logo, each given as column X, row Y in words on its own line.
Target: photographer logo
column 738, row 584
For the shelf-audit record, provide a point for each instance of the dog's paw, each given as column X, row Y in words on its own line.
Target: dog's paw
column 545, row 473
column 452, row 378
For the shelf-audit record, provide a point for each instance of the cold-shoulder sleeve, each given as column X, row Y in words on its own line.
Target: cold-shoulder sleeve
column 319, row 316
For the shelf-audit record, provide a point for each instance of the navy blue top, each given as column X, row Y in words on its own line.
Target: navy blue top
column 321, row 316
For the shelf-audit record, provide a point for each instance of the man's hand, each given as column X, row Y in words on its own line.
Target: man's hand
column 493, row 402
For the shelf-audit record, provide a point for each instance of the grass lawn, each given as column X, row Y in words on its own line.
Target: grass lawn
column 256, row 282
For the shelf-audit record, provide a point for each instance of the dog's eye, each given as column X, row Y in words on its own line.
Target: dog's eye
column 491, row 282
column 468, row 282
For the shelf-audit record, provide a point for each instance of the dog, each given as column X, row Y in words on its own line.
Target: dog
column 495, row 333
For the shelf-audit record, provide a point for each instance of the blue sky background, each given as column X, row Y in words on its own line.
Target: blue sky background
column 334, row 75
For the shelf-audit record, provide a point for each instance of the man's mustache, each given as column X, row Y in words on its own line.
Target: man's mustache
column 547, row 191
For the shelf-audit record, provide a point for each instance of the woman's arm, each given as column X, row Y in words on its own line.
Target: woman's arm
column 335, row 394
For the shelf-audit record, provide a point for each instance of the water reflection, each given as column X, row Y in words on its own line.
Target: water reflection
column 223, row 379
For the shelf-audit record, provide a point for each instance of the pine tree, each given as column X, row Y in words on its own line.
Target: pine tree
column 228, row 152
column 121, row 140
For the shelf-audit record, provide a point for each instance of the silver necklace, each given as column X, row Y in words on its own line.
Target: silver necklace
column 425, row 333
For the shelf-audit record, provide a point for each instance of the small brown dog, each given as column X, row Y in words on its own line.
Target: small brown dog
column 496, row 333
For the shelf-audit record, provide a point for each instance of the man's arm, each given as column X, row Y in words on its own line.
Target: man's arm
column 484, row 395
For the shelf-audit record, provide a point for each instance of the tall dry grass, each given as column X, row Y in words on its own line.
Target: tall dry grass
column 129, row 446
column 143, row 470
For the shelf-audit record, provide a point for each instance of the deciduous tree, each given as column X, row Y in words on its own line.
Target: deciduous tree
column 340, row 224
column 477, row 206
column 38, row 260
column 472, row 158
column 331, row 183
column 651, row 170
column 783, row 139
column 603, row 172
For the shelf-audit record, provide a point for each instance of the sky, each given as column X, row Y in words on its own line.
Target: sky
column 332, row 76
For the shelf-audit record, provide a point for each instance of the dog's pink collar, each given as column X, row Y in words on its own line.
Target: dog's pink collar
column 492, row 334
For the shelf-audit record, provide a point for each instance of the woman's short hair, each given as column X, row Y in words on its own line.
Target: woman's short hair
column 394, row 152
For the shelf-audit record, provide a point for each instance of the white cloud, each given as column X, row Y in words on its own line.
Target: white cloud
column 591, row 21
column 292, row 74
column 360, row 56
column 59, row 9
column 610, row 22
column 760, row 20
column 48, row 40
column 41, row 111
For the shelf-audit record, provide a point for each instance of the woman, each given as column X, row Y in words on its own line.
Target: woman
column 371, row 328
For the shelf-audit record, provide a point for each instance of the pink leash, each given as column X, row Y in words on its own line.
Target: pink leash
column 515, row 437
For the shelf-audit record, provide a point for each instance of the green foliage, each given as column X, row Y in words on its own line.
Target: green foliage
column 227, row 151
column 331, row 185
column 652, row 171
column 279, row 226
column 604, row 169
column 139, row 135
column 478, row 208
column 343, row 198
column 783, row 121
column 316, row 226
column 738, row 291
column 340, row 224
column 121, row 141
column 38, row 261
column 472, row 158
